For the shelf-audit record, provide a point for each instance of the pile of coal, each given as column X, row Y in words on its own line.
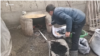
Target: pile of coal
column 59, row 49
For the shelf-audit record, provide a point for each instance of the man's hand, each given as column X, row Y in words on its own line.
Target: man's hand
column 67, row 34
column 50, row 25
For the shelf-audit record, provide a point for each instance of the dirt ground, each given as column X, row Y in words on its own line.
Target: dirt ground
column 33, row 46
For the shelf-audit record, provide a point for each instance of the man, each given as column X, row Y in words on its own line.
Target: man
column 74, row 20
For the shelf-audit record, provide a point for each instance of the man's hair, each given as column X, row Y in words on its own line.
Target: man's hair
column 50, row 7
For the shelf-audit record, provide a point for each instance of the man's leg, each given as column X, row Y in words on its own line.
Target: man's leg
column 76, row 34
column 75, row 38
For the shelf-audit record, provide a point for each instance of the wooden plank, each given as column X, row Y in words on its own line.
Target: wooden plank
column 95, row 7
column 97, row 3
column 96, row 14
column 93, row 24
column 3, row 7
column 91, row 38
column 96, row 22
column 92, row 14
column 92, row 28
column 40, row 4
column 26, row 5
column 87, row 13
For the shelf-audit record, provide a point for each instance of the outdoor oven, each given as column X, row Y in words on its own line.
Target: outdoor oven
column 33, row 20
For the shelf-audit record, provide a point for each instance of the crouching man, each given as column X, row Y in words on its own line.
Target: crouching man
column 74, row 20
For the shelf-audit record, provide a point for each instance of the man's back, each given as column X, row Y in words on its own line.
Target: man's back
column 76, row 15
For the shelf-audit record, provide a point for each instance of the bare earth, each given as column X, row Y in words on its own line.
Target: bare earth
column 33, row 46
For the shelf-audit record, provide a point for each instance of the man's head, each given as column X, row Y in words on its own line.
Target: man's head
column 50, row 8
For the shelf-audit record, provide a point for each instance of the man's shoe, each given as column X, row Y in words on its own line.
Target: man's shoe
column 73, row 53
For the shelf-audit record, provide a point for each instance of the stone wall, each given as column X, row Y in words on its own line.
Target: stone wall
column 12, row 10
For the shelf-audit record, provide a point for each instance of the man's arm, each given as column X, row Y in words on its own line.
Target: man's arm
column 68, row 20
column 53, row 22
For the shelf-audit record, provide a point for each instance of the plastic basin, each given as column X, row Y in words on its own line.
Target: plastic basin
column 83, row 34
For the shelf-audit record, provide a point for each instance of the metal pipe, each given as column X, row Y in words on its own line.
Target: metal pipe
column 43, row 36
column 49, row 44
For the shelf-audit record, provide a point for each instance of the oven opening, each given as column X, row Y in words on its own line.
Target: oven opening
column 39, row 23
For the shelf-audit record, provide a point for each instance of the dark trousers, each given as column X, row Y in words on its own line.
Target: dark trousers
column 76, row 31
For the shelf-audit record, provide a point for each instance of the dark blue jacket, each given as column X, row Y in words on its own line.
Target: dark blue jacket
column 67, row 16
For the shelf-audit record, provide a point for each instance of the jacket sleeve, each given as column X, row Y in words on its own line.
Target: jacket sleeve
column 68, row 20
column 53, row 21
